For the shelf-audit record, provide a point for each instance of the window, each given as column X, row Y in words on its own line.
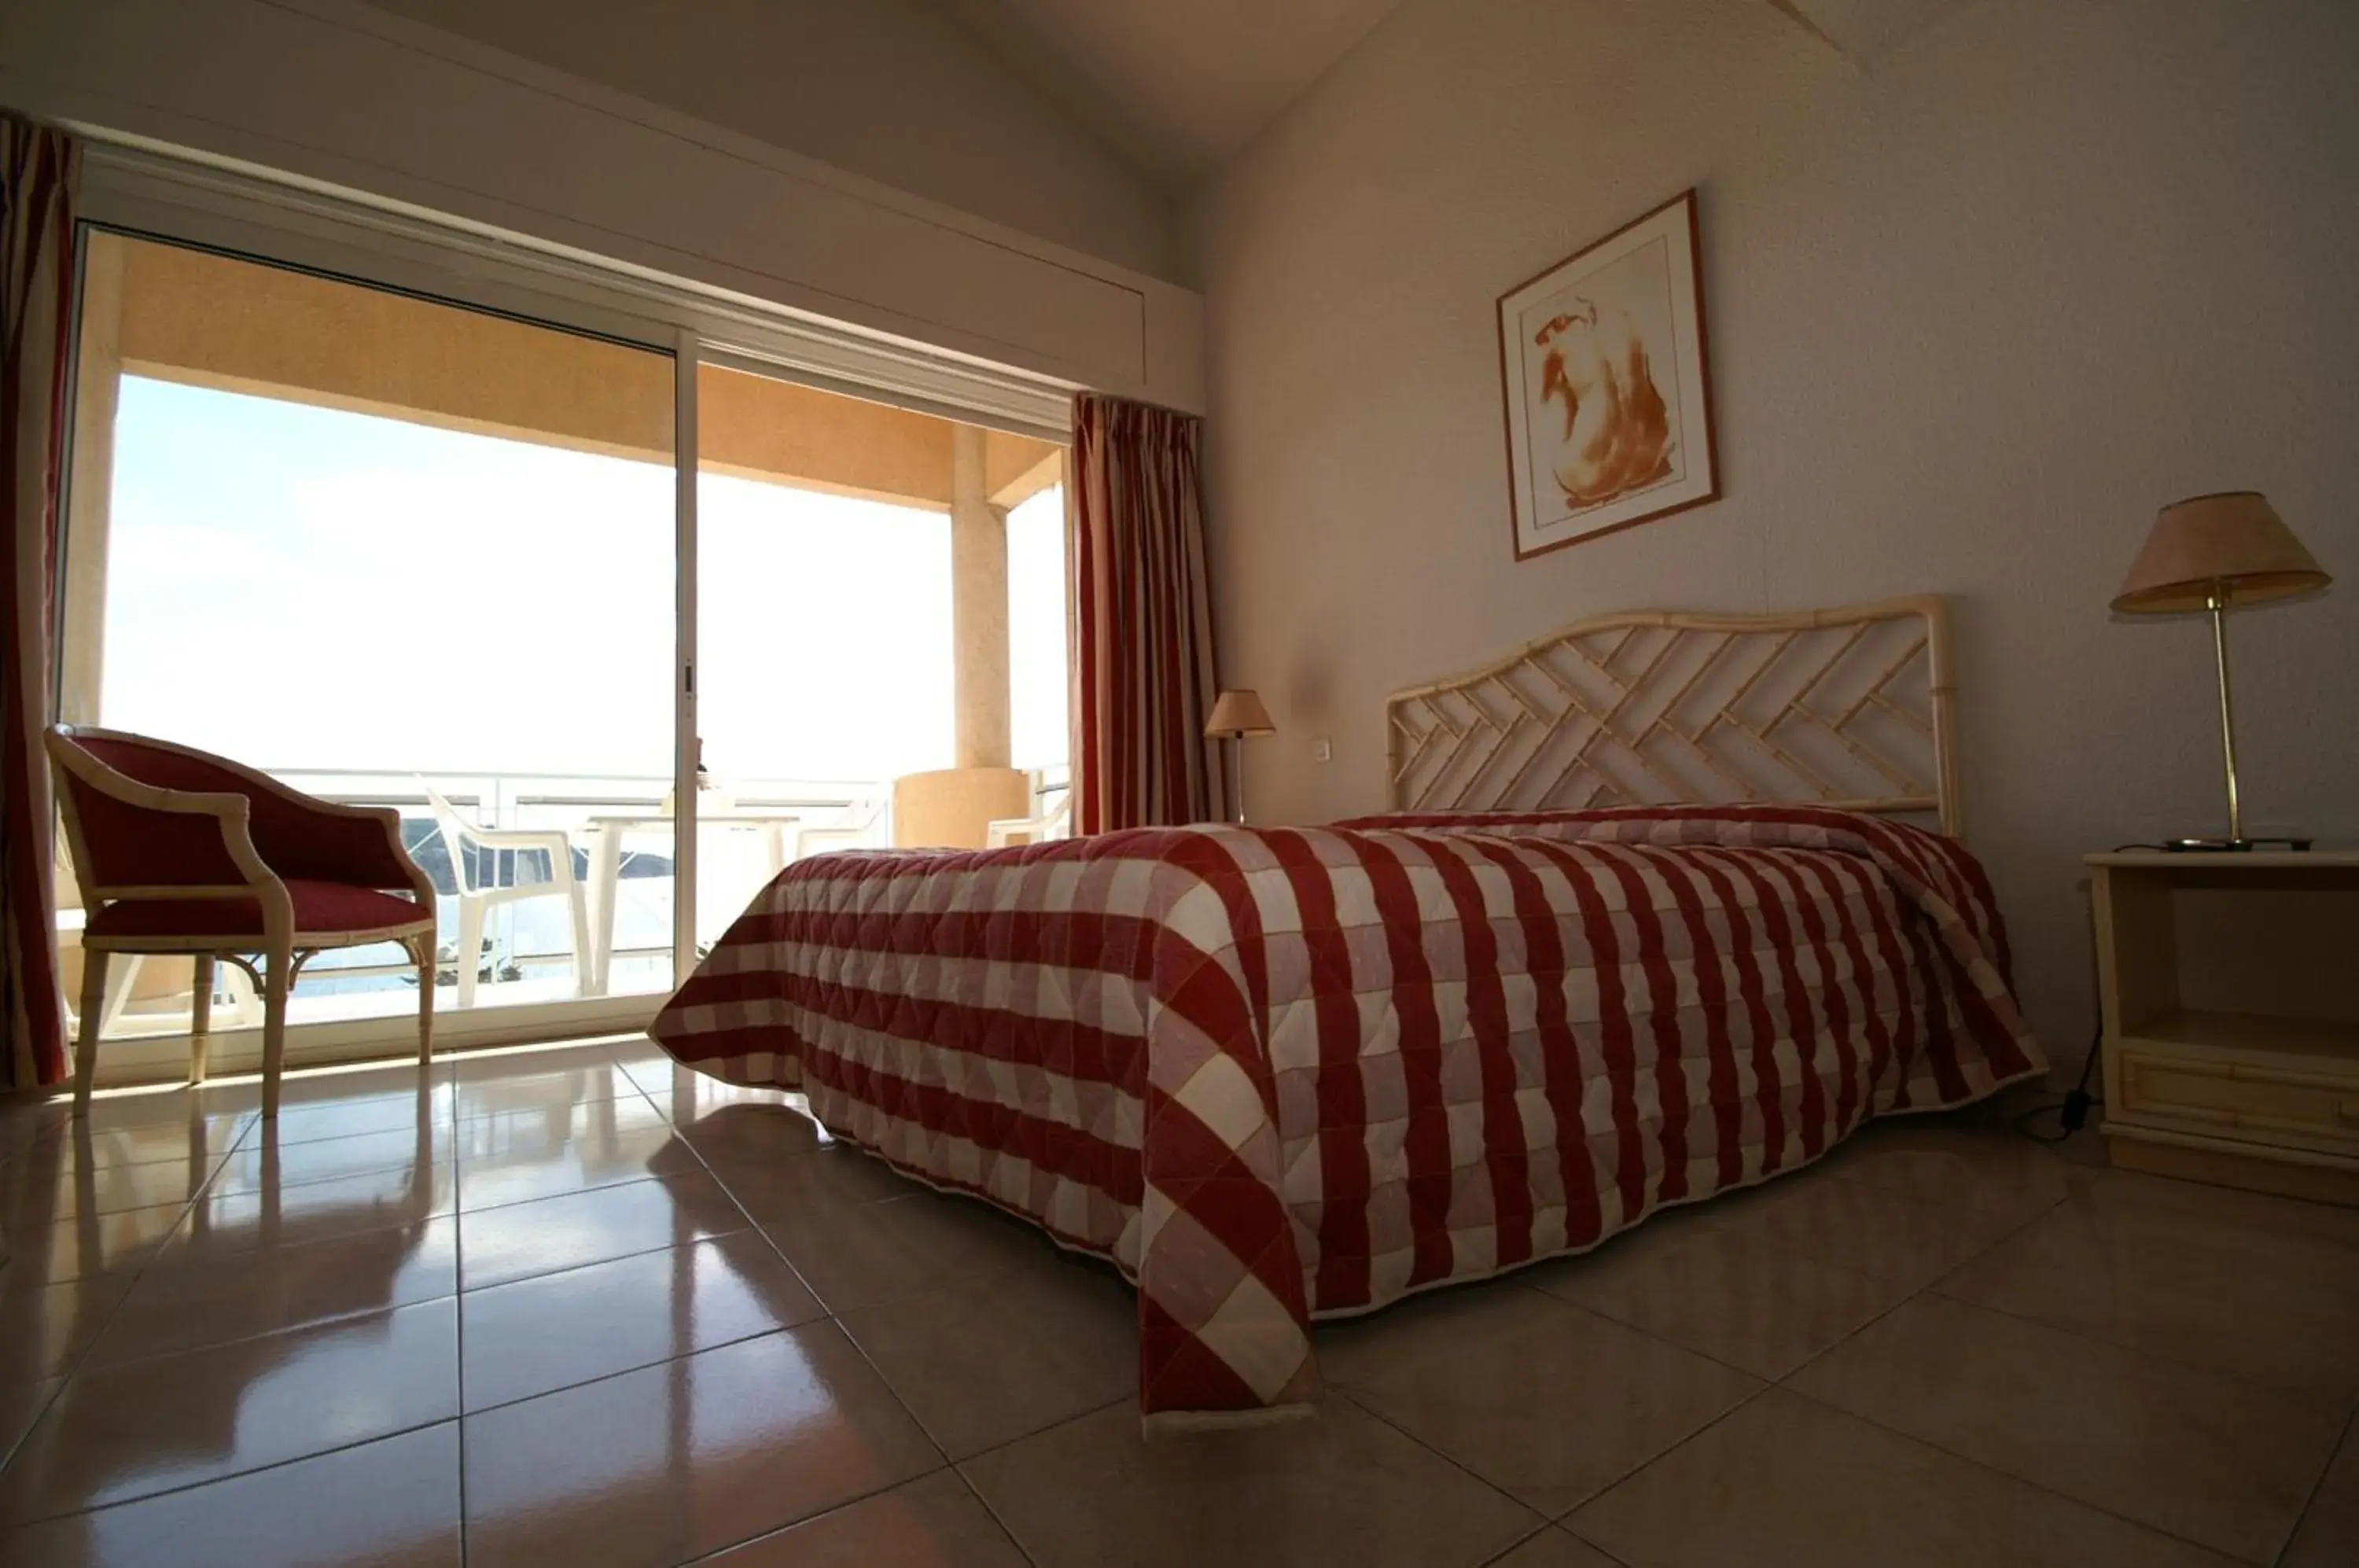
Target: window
column 392, row 551
column 409, row 553
column 829, row 610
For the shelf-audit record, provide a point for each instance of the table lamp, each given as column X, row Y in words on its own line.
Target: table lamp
column 2212, row 553
column 1236, row 716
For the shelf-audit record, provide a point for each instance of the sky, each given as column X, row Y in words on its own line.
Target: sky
column 312, row 590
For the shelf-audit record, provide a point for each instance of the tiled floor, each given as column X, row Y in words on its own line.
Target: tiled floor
column 578, row 1307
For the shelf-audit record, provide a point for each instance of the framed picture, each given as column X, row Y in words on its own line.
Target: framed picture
column 1608, row 396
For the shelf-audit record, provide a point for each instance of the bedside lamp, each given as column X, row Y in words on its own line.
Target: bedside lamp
column 2213, row 552
column 1239, row 716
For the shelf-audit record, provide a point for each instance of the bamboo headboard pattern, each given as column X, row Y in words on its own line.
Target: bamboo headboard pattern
column 1849, row 707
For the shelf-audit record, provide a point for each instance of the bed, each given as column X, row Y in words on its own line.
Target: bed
column 1665, row 905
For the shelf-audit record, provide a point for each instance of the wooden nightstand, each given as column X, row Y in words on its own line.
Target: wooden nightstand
column 2229, row 985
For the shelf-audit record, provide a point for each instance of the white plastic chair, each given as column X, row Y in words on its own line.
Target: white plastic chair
column 477, row 879
column 867, row 827
column 1058, row 824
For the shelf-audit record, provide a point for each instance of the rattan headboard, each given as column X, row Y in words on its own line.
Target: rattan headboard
column 1848, row 707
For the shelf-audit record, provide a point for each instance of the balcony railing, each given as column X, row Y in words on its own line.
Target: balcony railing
column 619, row 829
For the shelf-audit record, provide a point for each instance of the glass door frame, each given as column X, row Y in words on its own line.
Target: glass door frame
column 147, row 190
column 392, row 1036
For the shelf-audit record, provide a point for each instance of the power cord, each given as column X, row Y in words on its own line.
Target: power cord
column 2072, row 1110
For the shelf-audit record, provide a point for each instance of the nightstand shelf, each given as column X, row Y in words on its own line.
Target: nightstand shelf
column 2229, row 985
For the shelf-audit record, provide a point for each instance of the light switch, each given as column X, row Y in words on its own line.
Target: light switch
column 1322, row 750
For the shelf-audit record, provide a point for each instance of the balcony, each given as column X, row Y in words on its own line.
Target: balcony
column 621, row 836
column 357, row 537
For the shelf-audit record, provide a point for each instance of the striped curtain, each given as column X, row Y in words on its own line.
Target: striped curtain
column 1143, row 644
column 37, row 171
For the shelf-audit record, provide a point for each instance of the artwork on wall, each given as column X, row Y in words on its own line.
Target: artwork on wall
column 1609, row 401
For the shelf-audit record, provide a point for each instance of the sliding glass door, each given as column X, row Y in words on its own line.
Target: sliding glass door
column 407, row 552
column 880, row 597
column 395, row 552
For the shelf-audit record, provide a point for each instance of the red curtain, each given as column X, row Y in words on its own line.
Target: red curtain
column 37, row 171
column 1143, row 647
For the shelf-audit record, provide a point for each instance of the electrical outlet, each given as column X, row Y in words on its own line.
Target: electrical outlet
column 1322, row 750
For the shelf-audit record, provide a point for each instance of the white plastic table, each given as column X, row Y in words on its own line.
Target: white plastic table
column 607, row 832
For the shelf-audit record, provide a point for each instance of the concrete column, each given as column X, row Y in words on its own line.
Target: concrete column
column 978, row 605
column 98, row 378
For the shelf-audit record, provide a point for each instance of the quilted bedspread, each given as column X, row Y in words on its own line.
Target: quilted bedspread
column 1280, row 1073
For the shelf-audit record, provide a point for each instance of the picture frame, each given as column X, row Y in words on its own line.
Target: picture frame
column 1604, row 373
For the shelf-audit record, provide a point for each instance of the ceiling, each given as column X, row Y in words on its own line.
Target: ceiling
column 1177, row 88
column 1867, row 29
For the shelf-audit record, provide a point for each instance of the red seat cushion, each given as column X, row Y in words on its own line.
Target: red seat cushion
column 321, row 908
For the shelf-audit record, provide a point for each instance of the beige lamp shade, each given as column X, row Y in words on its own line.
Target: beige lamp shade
column 1239, row 713
column 2233, row 544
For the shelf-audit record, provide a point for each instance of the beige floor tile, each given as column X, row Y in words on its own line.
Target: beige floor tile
column 776, row 1187
column 394, row 1112
column 65, row 1149
column 544, row 1090
column 932, row 1522
column 60, row 1144
column 240, row 1222
column 1785, row 1480
column 520, row 1240
column 2263, row 1288
column 1554, row 1548
column 1868, row 1230
column 640, row 1051
column 381, row 1080
column 276, row 1288
column 392, row 1503
column 659, row 1465
column 580, row 1165
column 1663, row 1231
column 2204, row 1457
column 660, row 1077
column 2328, row 1534
column 529, row 1063
column 29, row 1196
column 262, row 1159
column 1731, row 1294
column 1995, row 1177
column 219, row 1115
column 1549, row 1403
column 44, row 1330
column 557, row 1330
column 748, row 1132
column 550, row 1126
column 151, row 1426
column 22, row 1401
column 865, row 1255
column 687, row 1419
column 90, row 1245
column 2130, row 1192
column 981, row 1361
column 334, row 1085
column 684, row 1096
column 1339, row 1490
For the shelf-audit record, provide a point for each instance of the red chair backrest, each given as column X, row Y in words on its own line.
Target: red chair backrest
column 130, row 845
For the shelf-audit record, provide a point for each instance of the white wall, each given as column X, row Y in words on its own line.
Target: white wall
column 890, row 89
column 342, row 93
column 1974, row 313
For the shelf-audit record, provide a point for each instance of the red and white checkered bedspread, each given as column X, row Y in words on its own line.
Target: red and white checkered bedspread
column 1279, row 1073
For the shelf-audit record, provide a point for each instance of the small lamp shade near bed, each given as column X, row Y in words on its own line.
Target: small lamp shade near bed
column 1239, row 716
column 2213, row 553
column 2233, row 545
